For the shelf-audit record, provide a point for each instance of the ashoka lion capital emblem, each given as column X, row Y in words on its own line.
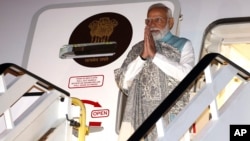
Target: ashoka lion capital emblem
column 102, row 29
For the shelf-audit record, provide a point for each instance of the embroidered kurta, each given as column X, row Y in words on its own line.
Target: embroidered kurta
column 148, row 83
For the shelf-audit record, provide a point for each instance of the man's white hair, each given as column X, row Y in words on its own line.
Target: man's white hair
column 161, row 5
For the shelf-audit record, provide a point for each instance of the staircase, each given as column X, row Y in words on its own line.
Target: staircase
column 220, row 98
column 221, row 95
column 41, row 107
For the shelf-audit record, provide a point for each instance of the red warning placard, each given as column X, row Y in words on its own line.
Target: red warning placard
column 86, row 81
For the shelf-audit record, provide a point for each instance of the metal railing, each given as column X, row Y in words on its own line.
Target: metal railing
column 187, row 83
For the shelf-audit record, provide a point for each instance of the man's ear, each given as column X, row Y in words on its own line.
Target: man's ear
column 171, row 22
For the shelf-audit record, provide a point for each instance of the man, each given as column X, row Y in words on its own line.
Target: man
column 152, row 70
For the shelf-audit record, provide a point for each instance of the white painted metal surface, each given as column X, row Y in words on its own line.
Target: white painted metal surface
column 232, row 112
column 46, row 112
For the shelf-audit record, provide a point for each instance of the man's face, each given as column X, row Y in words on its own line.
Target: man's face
column 157, row 20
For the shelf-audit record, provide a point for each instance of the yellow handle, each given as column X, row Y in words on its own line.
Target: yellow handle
column 83, row 129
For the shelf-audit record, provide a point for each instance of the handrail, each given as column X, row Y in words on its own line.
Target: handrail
column 179, row 91
column 17, row 70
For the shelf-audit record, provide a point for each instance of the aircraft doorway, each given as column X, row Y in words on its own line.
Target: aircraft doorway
column 231, row 38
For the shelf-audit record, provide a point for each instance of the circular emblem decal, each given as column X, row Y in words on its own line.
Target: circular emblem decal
column 103, row 38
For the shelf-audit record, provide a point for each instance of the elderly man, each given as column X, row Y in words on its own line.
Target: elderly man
column 152, row 69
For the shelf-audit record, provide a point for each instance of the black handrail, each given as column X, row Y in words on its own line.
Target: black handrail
column 5, row 66
column 178, row 91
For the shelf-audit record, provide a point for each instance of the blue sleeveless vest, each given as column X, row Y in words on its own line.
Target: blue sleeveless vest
column 174, row 41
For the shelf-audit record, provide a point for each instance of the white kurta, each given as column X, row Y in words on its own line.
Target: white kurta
column 148, row 83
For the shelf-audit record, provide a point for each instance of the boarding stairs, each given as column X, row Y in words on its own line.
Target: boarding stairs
column 218, row 86
column 33, row 109
column 220, row 90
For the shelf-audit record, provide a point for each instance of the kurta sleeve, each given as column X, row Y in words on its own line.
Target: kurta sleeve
column 133, row 69
column 131, row 66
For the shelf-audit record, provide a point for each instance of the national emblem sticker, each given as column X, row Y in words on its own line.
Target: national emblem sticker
column 99, row 40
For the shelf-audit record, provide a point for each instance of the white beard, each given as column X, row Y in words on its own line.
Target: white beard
column 159, row 35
